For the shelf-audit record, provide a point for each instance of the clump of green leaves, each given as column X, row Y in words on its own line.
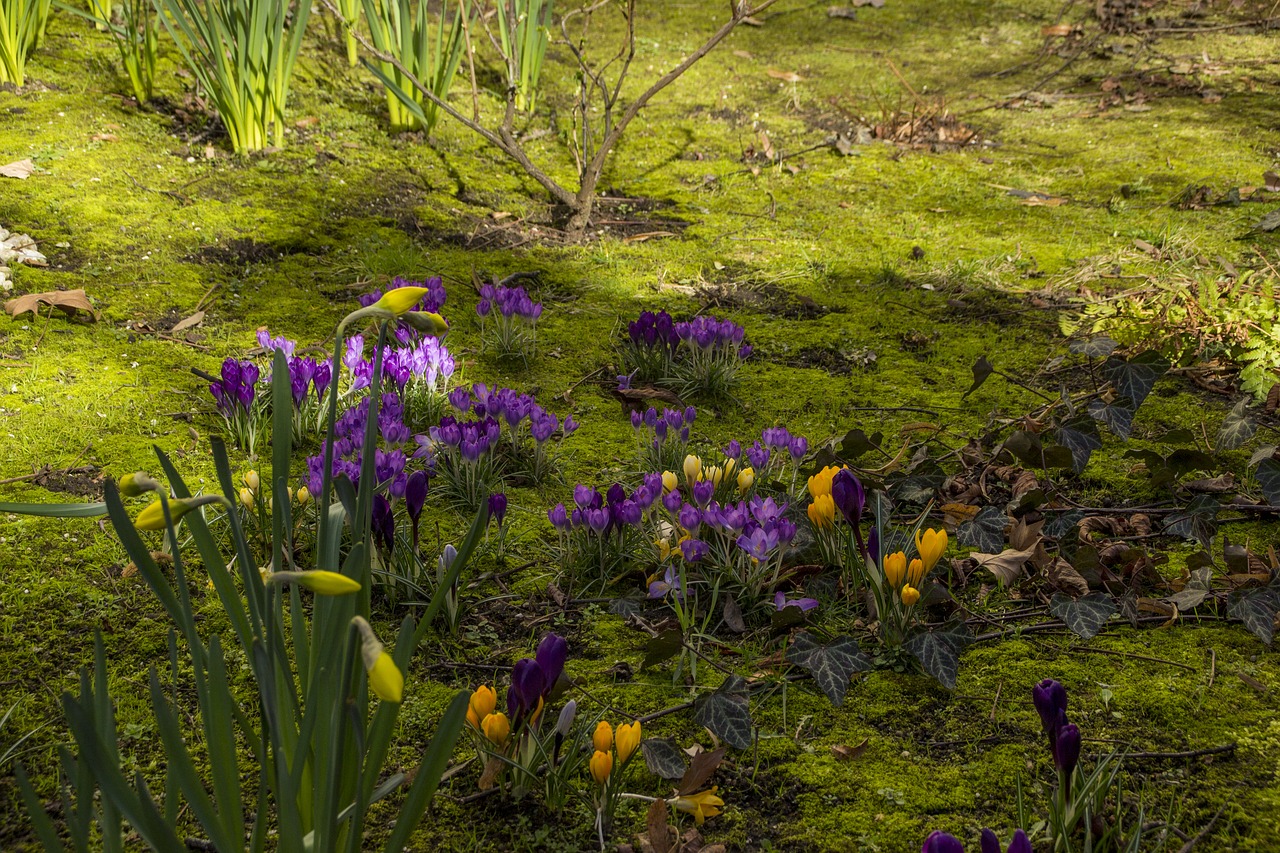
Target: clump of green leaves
column 22, row 24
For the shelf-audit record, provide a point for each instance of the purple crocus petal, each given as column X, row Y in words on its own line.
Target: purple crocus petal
column 689, row 517
column 528, row 682
column 558, row 517
column 552, row 653
column 703, row 491
column 941, row 842
column 989, row 842
column 582, row 496
column 733, row 450
column 1050, row 699
column 658, row 589
column 798, row 447
column 694, row 550
column 570, row 426
column 1020, row 843
column 849, row 496
column 498, row 507
column 384, row 523
column 483, row 307
column 415, row 494
column 1066, row 749
column 673, row 501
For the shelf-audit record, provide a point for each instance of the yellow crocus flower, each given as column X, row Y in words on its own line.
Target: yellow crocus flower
column 669, row 481
column 664, row 548
column 822, row 512
column 910, row 595
column 895, row 569
column 601, row 766
column 820, row 483
column 627, row 740
column 931, row 544
column 746, row 479
column 246, row 497
column 714, row 474
column 915, row 572
column 701, row 805
column 692, row 469
column 304, row 496
column 482, row 703
column 497, row 728
column 252, row 480
column 603, row 737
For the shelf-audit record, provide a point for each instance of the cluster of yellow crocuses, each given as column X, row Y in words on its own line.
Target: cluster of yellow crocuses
column 484, row 717
column 822, row 508
column 612, row 750
column 696, row 472
column 905, row 578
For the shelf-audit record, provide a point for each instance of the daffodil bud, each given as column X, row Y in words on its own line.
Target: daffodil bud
column 246, row 497
column 669, row 481
column 319, row 581
column 601, row 766
column 385, row 678
column 603, row 737
column 152, row 518
column 692, row 468
column 399, row 300
column 426, row 322
column 627, row 739
column 497, row 728
column 746, row 479
column 137, row 483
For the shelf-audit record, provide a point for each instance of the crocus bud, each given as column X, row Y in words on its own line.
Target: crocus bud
column 565, row 721
column 603, row 737
column 319, row 581
column 931, row 544
column 910, row 595
column 137, row 483
column 497, row 728
column 1020, row 843
column 246, row 497
column 482, row 703
column 669, row 481
column 692, row 468
column 601, row 766
column 551, row 655
column 989, row 843
column 627, row 739
column 304, row 496
column 498, row 507
column 941, row 842
column 1050, row 699
column 746, row 479
column 849, row 496
column 895, row 569
column 915, row 572
column 415, row 494
column 385, row 678
column 252, row 480
column 1066, row 749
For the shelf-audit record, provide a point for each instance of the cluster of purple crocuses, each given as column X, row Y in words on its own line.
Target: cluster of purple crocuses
column 426, row 363
column 701, row 355
column 513, row 408
column 708, row 333
column 235, row 394
column 508, row 320
column 606, row 514
column 941, row 842
column 664, row 436
column 308, row 381
column 390, row 459
column 510, row 302
column 740, row 543
column 1050, row 699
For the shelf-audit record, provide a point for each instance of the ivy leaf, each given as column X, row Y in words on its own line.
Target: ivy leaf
column 725, row 713
column 1198, row 520
column 939, row 653
column 857, row 443
column 1237, row 427
column 1026, row 447
column 662, row 647
column 1118, row 415
column 627, row 605
column 1269, row 480
column 1098, row 347
column 663, row 758
column 1080, row 436
column 1063, row 523
column 981, row 370
column 985, row 532
column 1134, row 378
column 1086, row 615
column 831, row 665
column 1196, row 591
column 1257, row 610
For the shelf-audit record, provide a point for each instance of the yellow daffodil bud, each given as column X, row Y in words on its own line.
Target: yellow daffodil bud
column 627, row 739
column 692, row 468
column 385, row 678
column 746, row 479
column 482, row 703
column 497, row 728
column 895, row 569
column 252, row 480
column 931, row 544
column 601, row 766
column 915, row 572
column 910, row 595
column 400, row 300
column 152, row 518
column 426, row 322
column 137, row 483
column 319, row 581
column 246, row 497
column 304, row 496
column 669, row 481
column 822, row 512
column 603, row 737
column 701, row 805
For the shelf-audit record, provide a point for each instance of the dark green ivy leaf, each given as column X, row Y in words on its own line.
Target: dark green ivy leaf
column 1257, row 610
column 1237, row 427
column 1117, row 415
column 981, row 370
column 1085, row 616
column 939, row 653
column 831, row 665
column 1134, row 378
column 662, row 647
column 1269, row 480
column 985, row 532
column 1080, row 436
column 1098, row 347
column 663, row 758
column 1197, row 520
column 725, row 713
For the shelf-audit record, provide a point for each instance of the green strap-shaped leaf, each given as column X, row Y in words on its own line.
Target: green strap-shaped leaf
column 83, row 510
column 35, row 809
column 432, row 768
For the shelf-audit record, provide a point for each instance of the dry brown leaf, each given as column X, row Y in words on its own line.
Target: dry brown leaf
column 954, row 514
column 20, row 169
column 848, row 753
column 189, row 323
column 1049, row 201
column 659, row 832
column 1007, row 565
column 1024, row 536
column 785, row 76
column 104, row 137
column 69, row 301
column 742, row 54
column 1064, row 577
column 306, row 121
column 700, row 770
column 1057, row 30
column 492, row 770
column 766, row 147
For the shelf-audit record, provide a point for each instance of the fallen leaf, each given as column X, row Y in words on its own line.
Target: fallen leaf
column 1271, row 182
column 69, row 301
column 874, row 4
column 848, row 753
column 1057, row 30
column 189, row 323
column 700, row 770
column 785, row 76
column 306, row 121
column 1066, row 579
column 844, row 12
column 742, row 54
column 766, row 147
column 659, row 832
column 1007, row 565
column 21, row 169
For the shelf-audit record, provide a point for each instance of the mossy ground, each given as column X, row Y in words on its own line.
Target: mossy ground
column 154, row 228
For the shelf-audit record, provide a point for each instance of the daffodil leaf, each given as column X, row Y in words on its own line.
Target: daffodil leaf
column 663, row 758
column 1257, row 610
column 1086, row 615
column 1237, row 427
column 725, row 713
column 662, row 647
column 81, row 510
column 985, row 532
column 939, row 653
column 831, row 665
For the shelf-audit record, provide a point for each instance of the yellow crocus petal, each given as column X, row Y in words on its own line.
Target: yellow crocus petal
column 822, row 512
column 931, row 544
column 326, row 583
column 304, row 496
column 252, row 480
column 664, row 549
column 483, row 701
column 910, row 595
column 603, row 737
column 497, row 728
column 701, row 805
column 915, row 572
column 729, row 465
column 820, row 483
column 895, row 569
column 398, row 300
column 669, row 481
column 692, row 468
column 246, row 497
column 472, row 719
column 627, row 740
column 746, row 479
column 714, row 474
column 601, row 766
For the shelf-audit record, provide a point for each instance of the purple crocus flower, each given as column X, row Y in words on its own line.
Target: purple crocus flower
column 670, row 583
column 1066, row 751
column 733, row 450
column 584, row 496
column 702, row 492
column 851, row 499
column 1050, row 699
column 759, row 543
column 415, row 494
column 498, row 507
column 1018, row 844
column 558, row 517
column 673, row 500
column 798, row 447
column 689, row 518
column 781, row 602
column 528, row 682
column 941, row 842
column 598, row 519
column 384, row 523
column 694, row 550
